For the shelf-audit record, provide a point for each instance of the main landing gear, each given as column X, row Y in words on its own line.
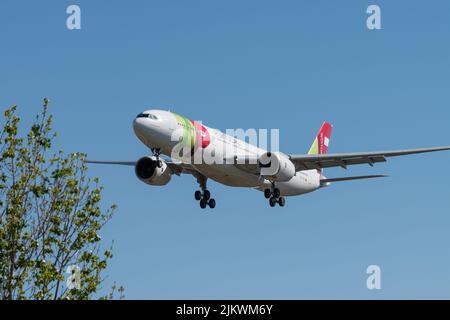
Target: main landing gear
column 274, row 196
column 157, row 153
column 205, row 199
column 203, row 195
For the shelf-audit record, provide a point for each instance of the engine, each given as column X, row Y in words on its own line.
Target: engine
column 147, row 171
column 276, row 166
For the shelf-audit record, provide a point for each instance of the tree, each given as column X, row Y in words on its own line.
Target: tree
column 50, row 217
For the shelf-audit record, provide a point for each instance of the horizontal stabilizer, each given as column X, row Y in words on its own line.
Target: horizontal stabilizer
column 327, row 180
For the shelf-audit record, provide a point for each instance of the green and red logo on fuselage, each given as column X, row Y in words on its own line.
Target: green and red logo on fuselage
column 195, row 134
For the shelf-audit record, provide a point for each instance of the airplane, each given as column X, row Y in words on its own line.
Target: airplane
column 276, row 174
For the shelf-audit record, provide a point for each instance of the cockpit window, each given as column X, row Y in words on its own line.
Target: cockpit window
column 142, row 115
column 147, row 115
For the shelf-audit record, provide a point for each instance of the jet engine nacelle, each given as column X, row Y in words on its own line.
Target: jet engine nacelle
column 147, row 171
column 276, row 166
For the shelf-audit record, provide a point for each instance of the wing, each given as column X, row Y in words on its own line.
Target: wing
column 319, row 161
column 176, row 167
column 124, row 163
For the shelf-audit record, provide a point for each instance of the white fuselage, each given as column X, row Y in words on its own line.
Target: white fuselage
column 164, row 129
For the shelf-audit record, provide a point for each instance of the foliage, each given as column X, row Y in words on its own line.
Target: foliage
column 50, row 217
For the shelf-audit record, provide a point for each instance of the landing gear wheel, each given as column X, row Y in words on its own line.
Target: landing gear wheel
column 281, row 201
column 206, row 195
column 197, row 195
column 267, row 193
column 212, row 203
column 273, row 201
column 276, row 193
column 159, row 163
column 203, row 203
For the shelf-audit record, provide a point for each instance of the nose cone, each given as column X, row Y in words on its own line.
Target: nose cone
column 148, row 127
column 144, row 128
column 137, row 125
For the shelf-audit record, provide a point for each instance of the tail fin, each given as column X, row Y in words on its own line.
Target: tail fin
column 320, row 144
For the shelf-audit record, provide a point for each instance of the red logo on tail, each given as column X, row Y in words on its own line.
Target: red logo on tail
column 324, row 137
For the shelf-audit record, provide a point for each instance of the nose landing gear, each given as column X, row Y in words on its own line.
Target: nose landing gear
column 157, row 153
column 274, row 196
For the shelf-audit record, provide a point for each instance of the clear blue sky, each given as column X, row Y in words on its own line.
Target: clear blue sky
column 253, row 64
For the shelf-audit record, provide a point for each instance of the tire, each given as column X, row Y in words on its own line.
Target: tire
column 197, row 195
column 159, row 164
column 267, row 193
column 281, row 201
column 206, row 195
column 273, row 201
column 203, row 203
column 212, row 203
column 276, row 193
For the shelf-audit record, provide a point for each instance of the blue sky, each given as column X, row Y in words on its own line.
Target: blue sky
column 253, row 64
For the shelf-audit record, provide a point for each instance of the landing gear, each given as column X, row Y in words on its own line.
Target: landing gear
column 204, row 195
column 203, row 203
column 212, row 203
column 273, row 201
column 274, row 196
column 205, row 199
column 276, row 192
column 157, row 153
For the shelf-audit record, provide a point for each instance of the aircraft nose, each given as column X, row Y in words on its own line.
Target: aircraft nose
column 139, row 126
column 146, row 125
